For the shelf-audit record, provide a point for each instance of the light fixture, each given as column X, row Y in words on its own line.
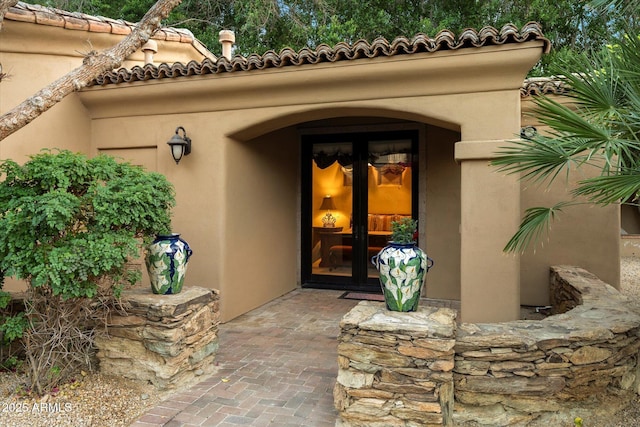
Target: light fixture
column 180, row 145
column 528, row 132
column 327, row 205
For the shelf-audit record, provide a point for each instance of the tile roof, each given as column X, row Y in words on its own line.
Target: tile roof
column 380, row 47
column 33, row 13
column 543, row 86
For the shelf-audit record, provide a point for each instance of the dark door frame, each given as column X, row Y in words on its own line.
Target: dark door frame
column 358, row 281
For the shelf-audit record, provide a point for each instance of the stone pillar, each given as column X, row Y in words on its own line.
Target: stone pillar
column 395, row 369
column 490, row 215
column 167, row 340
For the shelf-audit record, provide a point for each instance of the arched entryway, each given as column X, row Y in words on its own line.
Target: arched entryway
column 239, row 192
column 428, row 190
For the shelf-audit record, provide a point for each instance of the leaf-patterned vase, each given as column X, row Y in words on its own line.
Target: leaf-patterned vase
column 402, row 267
column 166, row 262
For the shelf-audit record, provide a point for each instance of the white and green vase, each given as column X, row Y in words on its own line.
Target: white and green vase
column 166, row 261
column 402, row 267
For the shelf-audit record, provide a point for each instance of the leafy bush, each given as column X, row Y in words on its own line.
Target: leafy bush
column 404, row 230
column 68, row 226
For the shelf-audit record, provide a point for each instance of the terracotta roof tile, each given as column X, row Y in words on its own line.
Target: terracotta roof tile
column 99, row 27
column 49, row 19
column 444, row 40
column 117, row 28
column 21, row 15
column 73, row 23
column 25, row 12
column 542, row 86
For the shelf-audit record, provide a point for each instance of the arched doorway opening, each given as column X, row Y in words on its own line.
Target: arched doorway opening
column 376, row 170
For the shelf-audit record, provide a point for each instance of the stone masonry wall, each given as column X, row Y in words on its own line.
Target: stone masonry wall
column 418, row 369
column 167, row 340
column 582, row 362
column 395, row 369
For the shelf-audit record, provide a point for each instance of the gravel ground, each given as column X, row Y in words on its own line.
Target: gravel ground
column 92, row 400
column 95, row 400
column 630, row 286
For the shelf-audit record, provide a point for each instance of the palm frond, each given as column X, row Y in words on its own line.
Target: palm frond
column 623, row 6
column 570, row 126
column 598, row 92
column 607, row 189
column 616, row 141
column 535, row 223
column 539, row 159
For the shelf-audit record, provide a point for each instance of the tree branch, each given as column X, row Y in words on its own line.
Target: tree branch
column 93, row 65
column 4, row 7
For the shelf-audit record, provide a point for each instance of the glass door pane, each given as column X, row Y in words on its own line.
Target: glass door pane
column 331, row 207
column 354, row 185
column 389, row 187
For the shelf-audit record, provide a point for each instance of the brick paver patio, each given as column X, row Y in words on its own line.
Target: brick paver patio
column 277, row 367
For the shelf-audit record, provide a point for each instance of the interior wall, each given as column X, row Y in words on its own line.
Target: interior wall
column 383, row 198
column 391, row 198
column 331, row 181
column 442, row 213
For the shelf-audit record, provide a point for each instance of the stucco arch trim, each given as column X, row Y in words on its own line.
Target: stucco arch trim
column 303, row 115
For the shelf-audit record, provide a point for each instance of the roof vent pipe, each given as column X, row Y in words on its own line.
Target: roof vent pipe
column 227, row 38
column 149, row 48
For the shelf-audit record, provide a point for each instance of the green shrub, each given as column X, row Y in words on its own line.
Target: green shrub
column 68, row 226
column 403, row 230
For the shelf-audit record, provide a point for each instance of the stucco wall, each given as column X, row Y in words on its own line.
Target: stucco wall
column 223, row 113
column 238, row 192
column 66, row 125
column 442, row 218
column 584, row 235
column 34, row 56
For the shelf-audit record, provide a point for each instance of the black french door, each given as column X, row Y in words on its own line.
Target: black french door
column 353, row 186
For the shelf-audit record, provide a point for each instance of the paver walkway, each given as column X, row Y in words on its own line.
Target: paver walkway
column 277, row 367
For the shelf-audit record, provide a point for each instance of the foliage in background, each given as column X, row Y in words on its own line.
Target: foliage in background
column 69, row 226
column 260, row 25
column 601, row 131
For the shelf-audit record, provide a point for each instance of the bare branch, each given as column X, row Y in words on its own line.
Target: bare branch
column 93, row 65
column 4, row 7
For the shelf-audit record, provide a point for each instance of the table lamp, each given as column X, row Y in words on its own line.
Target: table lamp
column 327, row 205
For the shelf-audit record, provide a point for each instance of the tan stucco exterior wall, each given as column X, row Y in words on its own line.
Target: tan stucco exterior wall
column 34, row 56
column 587, row 236
column 442, row 215
column 221, row 186
column 30, row 66
column 238, row 193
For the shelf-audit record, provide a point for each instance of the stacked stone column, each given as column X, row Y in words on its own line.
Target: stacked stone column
column 167, row 340
column 395, row 369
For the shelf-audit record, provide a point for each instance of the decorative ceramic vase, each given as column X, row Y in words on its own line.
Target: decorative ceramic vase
column 166, row 262
column 402, row 267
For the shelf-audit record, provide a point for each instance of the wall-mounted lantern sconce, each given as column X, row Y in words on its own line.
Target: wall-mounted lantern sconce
column 180, row 145
column 528, row 132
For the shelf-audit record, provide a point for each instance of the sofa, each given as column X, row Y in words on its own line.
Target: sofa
column 379, row 227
